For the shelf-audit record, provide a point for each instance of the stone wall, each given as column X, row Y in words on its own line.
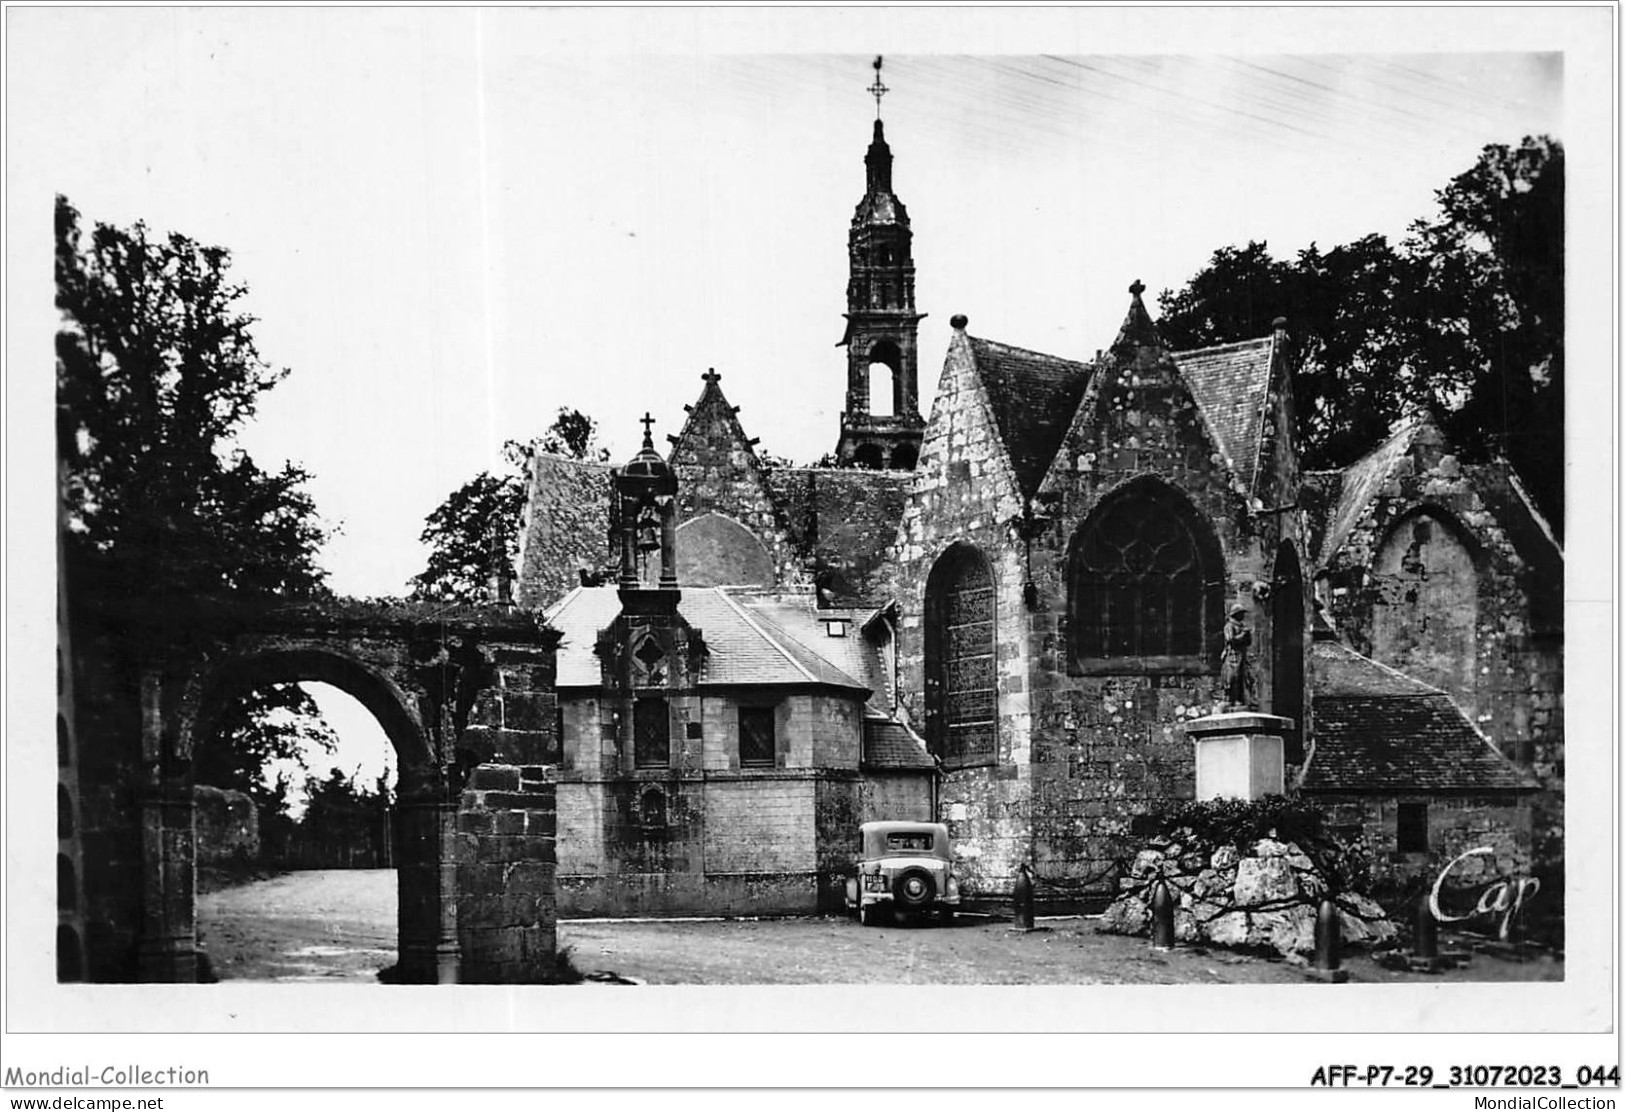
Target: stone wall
column 706, row 836
column 845, row 523
column 1084, row 760
column 1455, row 824
column 886, row 796
column 228, row 826
column 507, row 828
column 964, row 490
column 1444, row 572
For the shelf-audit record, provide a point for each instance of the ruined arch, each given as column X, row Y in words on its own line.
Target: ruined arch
column 961, row 661
column 425, row 870
column 261, row 665
column 1423, row 591
column 1145, row 584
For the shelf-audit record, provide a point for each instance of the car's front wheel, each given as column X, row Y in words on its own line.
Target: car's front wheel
column 869, row 914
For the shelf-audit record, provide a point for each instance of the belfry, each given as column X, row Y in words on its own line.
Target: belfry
column 881, row 426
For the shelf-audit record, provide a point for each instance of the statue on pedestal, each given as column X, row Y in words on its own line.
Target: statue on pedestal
column 1235, row 668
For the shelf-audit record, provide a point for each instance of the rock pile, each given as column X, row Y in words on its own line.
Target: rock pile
column 1266, row 898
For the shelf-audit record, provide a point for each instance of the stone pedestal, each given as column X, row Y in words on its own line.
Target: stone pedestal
column 1239, row 754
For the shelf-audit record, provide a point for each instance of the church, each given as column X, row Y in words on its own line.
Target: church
column 1009, row 617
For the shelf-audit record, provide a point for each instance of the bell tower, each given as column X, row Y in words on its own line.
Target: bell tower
column 881, row 426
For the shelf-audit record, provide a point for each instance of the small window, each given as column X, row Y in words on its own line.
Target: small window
column 756, row 741
column 905, row 842
column 651, row 734
column 1413, row 828
column 835, row 629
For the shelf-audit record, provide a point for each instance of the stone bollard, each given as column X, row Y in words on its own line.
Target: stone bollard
column 1427, row 931
column 1328, row 945
column 1162, row 916
column 1023, row 898
column 1425, row 957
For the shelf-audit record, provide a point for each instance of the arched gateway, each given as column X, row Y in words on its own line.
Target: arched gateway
column 465, row 696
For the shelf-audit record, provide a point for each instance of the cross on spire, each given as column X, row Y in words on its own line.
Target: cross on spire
column 878, row 89
column 647, row 422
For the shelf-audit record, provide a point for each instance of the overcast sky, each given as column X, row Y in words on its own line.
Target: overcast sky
column 453, row 222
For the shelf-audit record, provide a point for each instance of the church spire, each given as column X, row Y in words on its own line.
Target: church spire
column 881, row 426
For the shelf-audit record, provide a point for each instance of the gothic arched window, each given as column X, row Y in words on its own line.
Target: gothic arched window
column 961, row 679
column 1146, row 585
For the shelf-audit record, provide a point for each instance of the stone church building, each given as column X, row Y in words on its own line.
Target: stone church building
column 1007, row 616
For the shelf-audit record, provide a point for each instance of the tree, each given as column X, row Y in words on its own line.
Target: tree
column 280, row 722
column 1494, row 296
column 1465, row 317
column 156, row 373
column 474, row 533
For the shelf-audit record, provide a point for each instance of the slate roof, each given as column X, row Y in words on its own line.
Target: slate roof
column 889, row 744
column 1231, row 384
column 854, row 654
column 1378, row 731
column 746, row 648
column 1034, row 397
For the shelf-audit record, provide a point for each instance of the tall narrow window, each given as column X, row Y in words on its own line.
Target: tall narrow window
column 756, row 742
column 651, row 734
column 961, row 696
column 1145, row 584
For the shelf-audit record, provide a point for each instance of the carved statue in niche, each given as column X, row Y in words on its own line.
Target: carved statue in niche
column 1235, row 668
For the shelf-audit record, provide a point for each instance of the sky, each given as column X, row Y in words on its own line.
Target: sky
column 451, row 223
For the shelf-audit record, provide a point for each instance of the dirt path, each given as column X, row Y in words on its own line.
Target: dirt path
column 340, row 925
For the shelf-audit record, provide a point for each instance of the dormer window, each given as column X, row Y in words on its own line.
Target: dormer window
column 835, row 628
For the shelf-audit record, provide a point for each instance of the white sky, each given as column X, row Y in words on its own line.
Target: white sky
column 453, row 222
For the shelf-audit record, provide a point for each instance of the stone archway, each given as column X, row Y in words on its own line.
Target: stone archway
column 466, row 697
column 425, row 865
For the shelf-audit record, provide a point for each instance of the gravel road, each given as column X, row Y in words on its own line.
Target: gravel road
column 339, row 925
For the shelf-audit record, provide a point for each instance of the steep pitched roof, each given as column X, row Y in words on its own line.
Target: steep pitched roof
column 799, row 617
column 1377, row 730
column 1231, row 384
column 744, row 648
column 889, row 744
column 1033, row 397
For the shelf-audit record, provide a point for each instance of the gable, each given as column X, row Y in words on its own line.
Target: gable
column 1033, row 397
column 1230, row 384
column 717, row 469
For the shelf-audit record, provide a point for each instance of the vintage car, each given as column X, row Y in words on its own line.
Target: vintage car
column 903, row 867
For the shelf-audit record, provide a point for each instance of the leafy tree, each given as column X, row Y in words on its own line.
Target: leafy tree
column 279, row 722
column 156, row 373
column 1493, row 294
column 1465, row 317
column 474, row 532
column 573, row 435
